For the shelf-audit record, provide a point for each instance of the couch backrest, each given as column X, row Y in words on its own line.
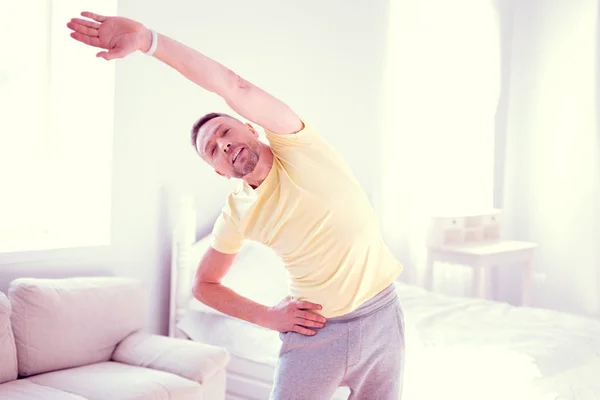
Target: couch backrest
column 71, row 322
column 8, row 351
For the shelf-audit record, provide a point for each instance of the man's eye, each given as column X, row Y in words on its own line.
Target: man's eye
column 212, row 152
column 225, row 132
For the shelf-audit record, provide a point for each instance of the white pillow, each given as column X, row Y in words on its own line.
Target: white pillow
column 257, row 274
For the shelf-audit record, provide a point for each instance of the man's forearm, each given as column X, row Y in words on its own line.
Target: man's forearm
column 227, row 301
column 245, row 98
column 192, row 64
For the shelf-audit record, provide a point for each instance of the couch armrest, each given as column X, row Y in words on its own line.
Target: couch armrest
column 188, row 359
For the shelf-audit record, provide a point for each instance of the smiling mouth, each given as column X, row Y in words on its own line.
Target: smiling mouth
column 236, row 154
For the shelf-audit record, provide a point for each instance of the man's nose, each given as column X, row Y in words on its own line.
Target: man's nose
column 224, row 145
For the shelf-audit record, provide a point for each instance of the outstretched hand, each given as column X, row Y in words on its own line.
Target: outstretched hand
column 117, row 35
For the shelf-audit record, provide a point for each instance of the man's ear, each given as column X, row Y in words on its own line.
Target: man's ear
column 249, row 126
column 222, row 174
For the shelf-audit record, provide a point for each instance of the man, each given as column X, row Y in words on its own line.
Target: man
column 342, row 324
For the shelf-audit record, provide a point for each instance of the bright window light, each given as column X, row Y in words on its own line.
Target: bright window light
column 442, row 86
column 56, row 127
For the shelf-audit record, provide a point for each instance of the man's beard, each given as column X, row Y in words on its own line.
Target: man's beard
column 246, row 166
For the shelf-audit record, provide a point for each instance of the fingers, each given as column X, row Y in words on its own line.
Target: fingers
column 306, row 319
column 85, row 22
column 85, row 31
column 310, row 323
column 95, row 17
column 83, row 27
column 92, row 41
column 307, row 305
column 310, row 316
column 302, row 330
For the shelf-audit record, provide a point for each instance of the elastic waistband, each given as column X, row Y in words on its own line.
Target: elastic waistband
column 383, row 299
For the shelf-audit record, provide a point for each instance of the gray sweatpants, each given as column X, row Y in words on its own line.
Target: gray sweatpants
column 363, row 350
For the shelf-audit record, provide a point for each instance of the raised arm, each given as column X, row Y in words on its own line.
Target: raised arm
column 122, row 36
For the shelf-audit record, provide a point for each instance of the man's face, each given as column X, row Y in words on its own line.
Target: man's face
column 229, row 146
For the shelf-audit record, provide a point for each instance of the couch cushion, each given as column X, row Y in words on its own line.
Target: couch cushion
column 111, row 380
column 65, row 323
column 8, row 351
column 24, row 389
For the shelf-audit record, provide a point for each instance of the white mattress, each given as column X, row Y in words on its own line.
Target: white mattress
column 459, row 348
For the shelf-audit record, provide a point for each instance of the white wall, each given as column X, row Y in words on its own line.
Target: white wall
column 552, row 179
column 323, row 58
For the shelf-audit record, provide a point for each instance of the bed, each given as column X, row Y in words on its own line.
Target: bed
column 456, row 348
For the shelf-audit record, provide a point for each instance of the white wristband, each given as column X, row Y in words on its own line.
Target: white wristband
column 154, row 43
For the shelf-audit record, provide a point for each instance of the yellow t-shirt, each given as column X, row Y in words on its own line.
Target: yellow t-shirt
column 312, row 212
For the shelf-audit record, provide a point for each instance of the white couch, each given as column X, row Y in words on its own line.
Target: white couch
column 83, row 338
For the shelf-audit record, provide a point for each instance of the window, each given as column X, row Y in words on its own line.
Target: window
column 56, row 124
column 442, row 90
column 444, row 83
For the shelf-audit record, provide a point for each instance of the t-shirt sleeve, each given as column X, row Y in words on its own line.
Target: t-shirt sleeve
column 226, row 236
column 304, row 137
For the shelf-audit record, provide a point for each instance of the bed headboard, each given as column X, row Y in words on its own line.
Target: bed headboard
column 186, row 252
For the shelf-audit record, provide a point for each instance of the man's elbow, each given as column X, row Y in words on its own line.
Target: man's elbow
column 201, row 289
column 197, row 291
column 198, row 288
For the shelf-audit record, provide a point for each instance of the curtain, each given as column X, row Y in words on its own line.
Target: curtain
column 552, row 157
column 443, row 87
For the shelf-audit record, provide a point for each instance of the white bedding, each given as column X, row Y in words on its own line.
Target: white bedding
column 459, row 348
column 563, row 349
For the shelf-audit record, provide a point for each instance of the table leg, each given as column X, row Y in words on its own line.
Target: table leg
column 479, row 281
column 526, row 282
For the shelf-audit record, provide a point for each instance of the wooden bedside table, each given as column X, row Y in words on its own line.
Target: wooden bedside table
column 474, row 241
column 481, row 258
